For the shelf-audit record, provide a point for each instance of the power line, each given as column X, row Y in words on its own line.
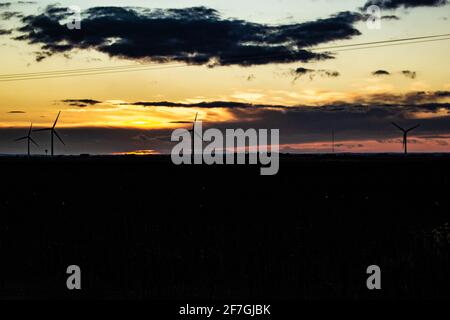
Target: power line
column 72, row 70
column 170, row 65
column 384, row 41
column 93, row 73
column 391, row 45
column 117, row 69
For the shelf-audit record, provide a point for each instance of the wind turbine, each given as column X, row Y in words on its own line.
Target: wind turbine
column 29, row 139
column 405, row 135
column 192, row 131
column 53, row 133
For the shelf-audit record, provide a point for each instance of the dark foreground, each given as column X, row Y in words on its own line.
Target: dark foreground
column 144, row 228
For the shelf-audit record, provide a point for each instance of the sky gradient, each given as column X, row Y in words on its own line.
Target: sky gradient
column 228, row 61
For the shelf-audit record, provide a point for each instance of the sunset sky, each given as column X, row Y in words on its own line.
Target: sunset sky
column 240, row 64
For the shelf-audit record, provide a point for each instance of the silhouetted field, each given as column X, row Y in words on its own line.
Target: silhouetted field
column 140, row 227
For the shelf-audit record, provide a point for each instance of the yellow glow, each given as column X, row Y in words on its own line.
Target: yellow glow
column 138, row 152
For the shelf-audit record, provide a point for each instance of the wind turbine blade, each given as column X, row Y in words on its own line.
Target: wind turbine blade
column 400, row 128
column 29, row 131
column 411, row 129
column 45, row 129
column 23, row 138
column 54, row 125
column 193, row 123
column 57, row 135
column 31, row 139
column 198, row 135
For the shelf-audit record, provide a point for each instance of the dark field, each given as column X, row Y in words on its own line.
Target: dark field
column 140, row 227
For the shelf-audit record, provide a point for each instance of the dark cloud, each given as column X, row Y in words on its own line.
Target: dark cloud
column 435, row 136
column 441, row 94
column 93, row 140
column 7, row 15
column 412, row 98
column 381, row 73
column 394, row 4
column 3, row 32
column 429, row 101
column 195, row 35
column 41, row 56
column 300, row 72
column 409, row 74
column 351, row 122
column 16, row 111
column 80, row 102
column 205, row 105
column 390, row 17
column 4, row 5
column 426, row 96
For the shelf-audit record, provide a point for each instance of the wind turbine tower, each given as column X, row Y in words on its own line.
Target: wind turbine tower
column 192, row 131
column 52, row 134
column 29, row 139
column 405, row 135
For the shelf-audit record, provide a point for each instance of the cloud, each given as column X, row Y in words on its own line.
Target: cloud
column 300, row 72
column 441, row 94
column 390, row 17
column 409, row 74
column 8, row 15
column 5, row 5
column 205, row 105
column 16, row 111
column 251, row 77
column 80, row 102
column 351, row 122
column 409, row 98
column 4, row 32
column 394, row 4
column 300, row 125
column 198, row 35
column 381, row 73
column 408, row 103
column 428, row 101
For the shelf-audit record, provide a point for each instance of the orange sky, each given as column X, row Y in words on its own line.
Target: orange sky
column 40, row 100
